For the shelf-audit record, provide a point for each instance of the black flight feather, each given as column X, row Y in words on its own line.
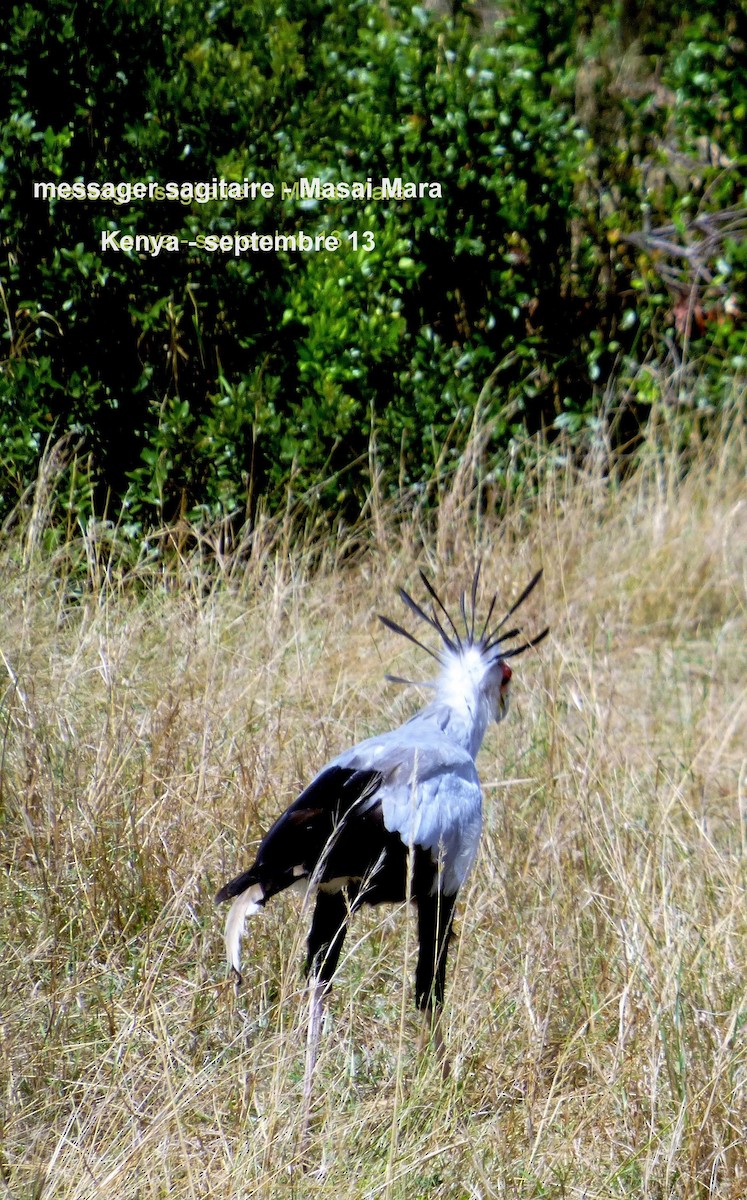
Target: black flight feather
column 494, row 639
column 483, row 639
column 535, row 641
column 435, row 596
column 432, row 621
column 475, row 581
column 395, row 628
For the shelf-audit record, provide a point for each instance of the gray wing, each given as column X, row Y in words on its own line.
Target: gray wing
column 430, row 795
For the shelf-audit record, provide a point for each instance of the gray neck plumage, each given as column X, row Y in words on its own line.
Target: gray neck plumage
column 465, row 724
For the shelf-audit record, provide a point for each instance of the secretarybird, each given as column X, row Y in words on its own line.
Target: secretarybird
column 396, row 818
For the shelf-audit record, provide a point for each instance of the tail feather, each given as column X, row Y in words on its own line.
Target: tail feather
column 236, row 886
column 245, row 905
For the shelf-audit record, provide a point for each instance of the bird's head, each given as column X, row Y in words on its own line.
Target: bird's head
column 471, row 677
column 475, row 676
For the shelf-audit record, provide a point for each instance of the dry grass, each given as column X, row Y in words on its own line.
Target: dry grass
column 152, row 725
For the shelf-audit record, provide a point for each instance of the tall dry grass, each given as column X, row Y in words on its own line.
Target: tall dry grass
column 155, row 720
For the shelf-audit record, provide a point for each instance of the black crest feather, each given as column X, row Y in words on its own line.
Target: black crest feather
column 453, row 641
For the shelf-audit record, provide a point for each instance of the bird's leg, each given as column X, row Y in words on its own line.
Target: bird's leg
column 435, row 919
column 431, row 1033
column 317, row 991
column 326, row 936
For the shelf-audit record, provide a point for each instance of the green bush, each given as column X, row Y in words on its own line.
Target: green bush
column 200, row 383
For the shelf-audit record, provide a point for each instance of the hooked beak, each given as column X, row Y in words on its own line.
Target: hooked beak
column 503, row 695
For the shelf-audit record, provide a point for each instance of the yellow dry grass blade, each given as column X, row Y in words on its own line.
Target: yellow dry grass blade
column 153, row 724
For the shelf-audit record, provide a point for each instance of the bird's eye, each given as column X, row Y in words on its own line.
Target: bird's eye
column 506, row 673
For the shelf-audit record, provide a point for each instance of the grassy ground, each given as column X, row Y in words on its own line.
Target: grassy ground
column 153, row 724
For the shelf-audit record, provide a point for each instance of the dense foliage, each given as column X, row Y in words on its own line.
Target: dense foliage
column 590, row 161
